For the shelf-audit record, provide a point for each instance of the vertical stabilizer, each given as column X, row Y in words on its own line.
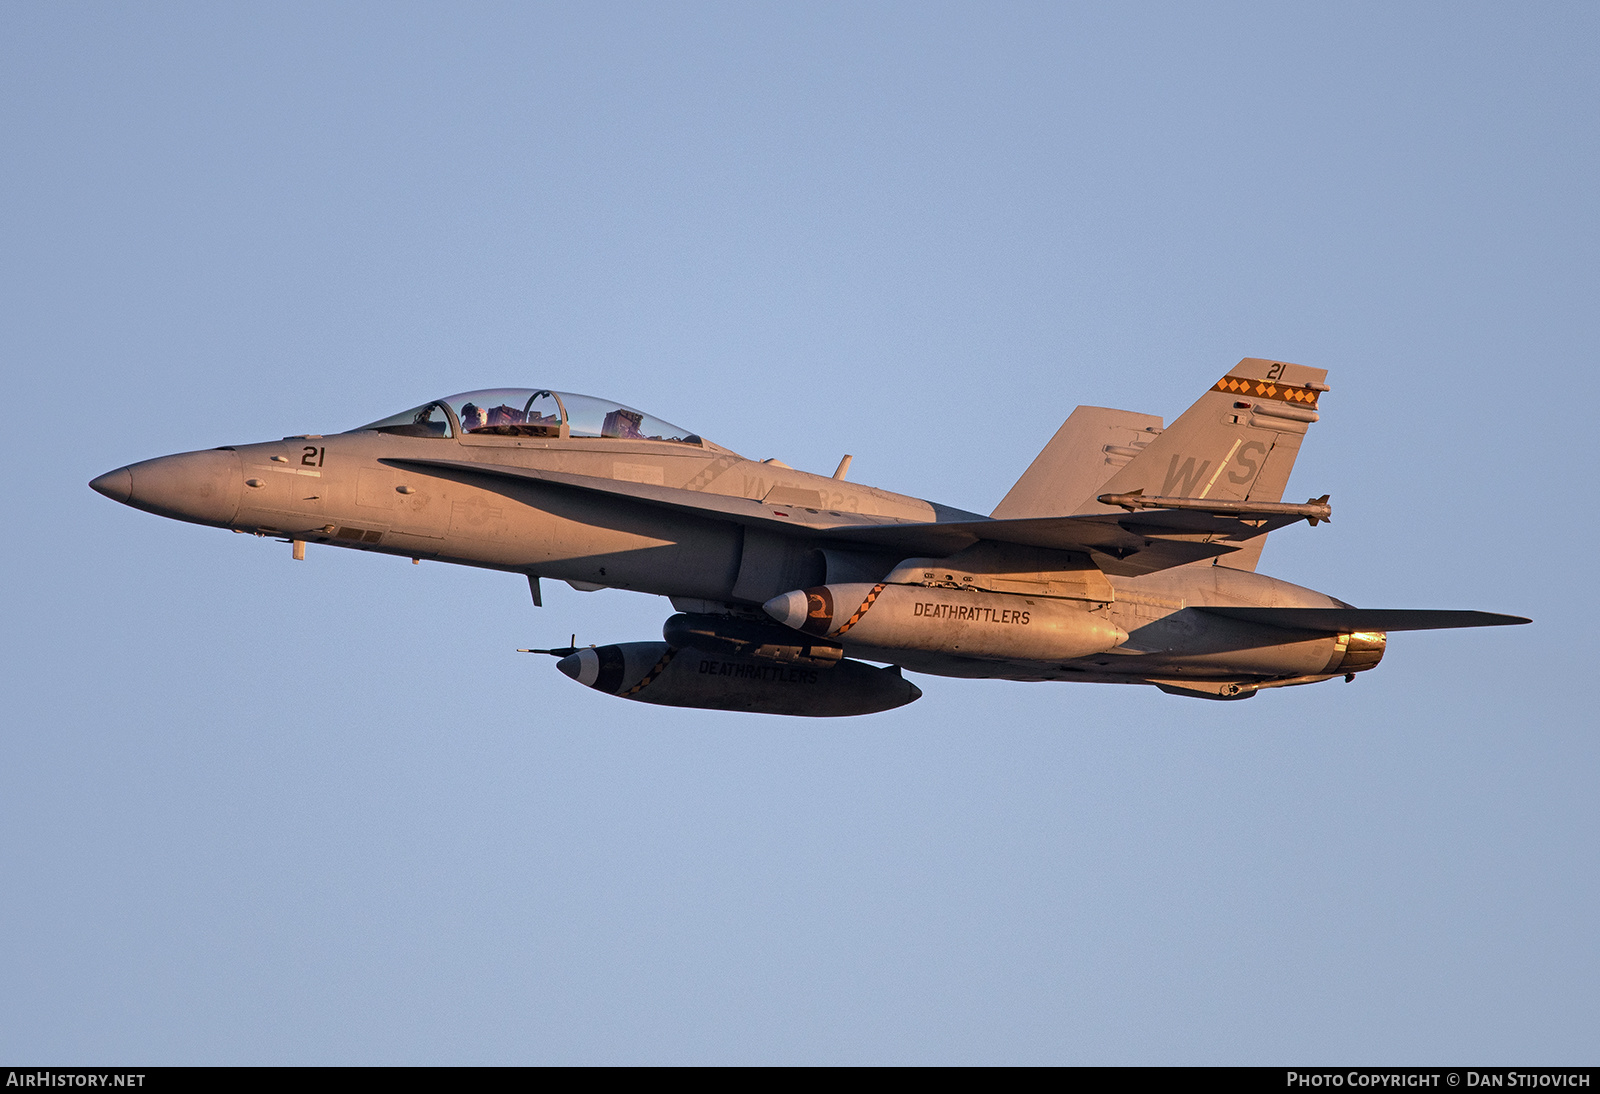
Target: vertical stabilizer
column 1238, row 442
column 1092, row 445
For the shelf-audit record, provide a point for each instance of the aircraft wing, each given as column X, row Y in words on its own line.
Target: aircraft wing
column 1125, row 544
column 1114, row 548
column 1346, row 620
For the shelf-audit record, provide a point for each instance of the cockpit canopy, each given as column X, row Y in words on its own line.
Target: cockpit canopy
column 525, row 412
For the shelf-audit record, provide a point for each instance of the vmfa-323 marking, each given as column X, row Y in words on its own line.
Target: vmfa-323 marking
column 1126, row 553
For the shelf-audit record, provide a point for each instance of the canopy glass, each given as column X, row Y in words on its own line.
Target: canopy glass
column 526, row 412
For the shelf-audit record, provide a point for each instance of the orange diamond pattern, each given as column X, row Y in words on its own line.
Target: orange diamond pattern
column 1264, row 389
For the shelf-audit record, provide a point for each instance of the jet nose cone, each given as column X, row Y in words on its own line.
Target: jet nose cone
column 202, row 487
column 787, row 608
column 583, row 666
column 116, row 485
column 916, row 692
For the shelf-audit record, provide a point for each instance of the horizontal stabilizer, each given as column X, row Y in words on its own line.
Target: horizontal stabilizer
column 1348, row 620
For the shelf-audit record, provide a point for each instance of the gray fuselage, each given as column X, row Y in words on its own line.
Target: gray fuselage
column 363, row 490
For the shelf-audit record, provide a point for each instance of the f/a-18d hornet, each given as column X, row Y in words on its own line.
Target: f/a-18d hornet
column 1125, row 554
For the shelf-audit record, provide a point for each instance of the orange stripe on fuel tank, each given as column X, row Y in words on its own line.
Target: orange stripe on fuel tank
column 650, row 677
column 861, row 611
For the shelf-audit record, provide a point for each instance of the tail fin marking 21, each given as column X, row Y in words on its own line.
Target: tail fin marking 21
column 1238, row 442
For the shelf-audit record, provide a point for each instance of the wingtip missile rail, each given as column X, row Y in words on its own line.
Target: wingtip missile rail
column 1314, row 511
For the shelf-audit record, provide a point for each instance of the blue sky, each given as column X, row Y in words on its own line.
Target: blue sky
column 253, row 810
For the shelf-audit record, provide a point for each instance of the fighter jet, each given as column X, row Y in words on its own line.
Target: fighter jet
column 1125, row 554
